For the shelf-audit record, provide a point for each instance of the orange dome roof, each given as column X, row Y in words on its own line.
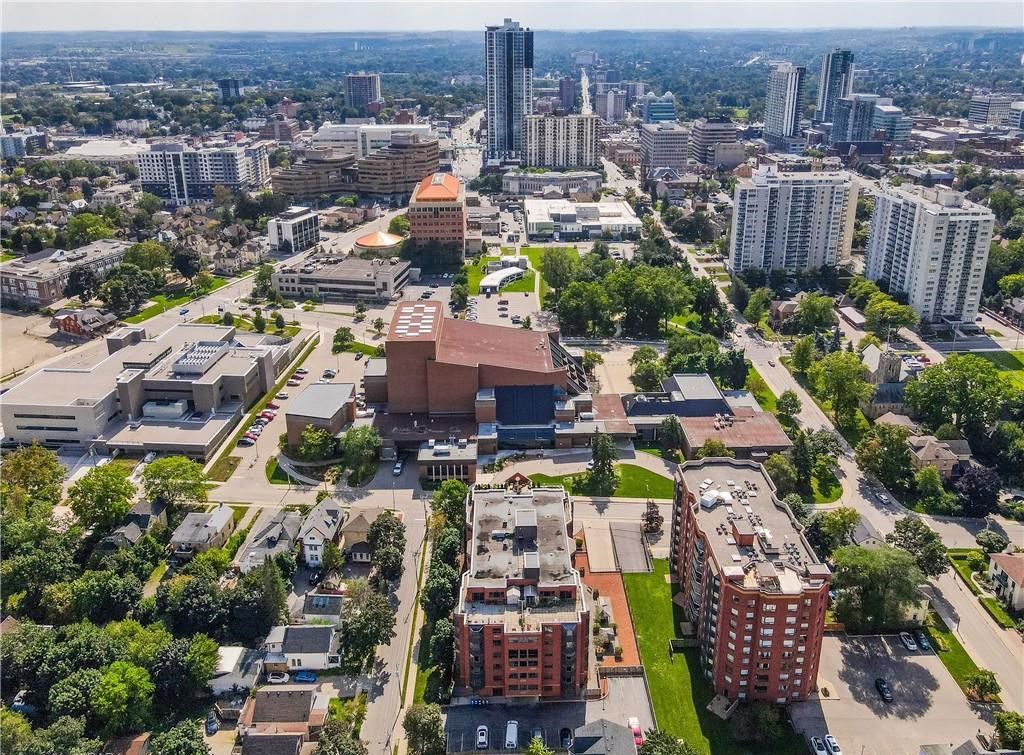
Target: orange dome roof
column 379, row 239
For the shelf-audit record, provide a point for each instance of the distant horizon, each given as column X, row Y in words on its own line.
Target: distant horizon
column 327, row 17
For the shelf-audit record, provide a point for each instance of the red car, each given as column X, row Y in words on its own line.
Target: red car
column 634, row 726
column 273, row 406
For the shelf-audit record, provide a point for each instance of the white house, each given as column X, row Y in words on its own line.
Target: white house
column 238, row 668
column 319, row 528
column 303, row 647
column 1007, row 573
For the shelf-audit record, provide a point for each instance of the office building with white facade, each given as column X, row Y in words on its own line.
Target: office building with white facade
column 179, row 174
column 561, row 219
column 990, row 108
column 784, row 105
column 792, row 221
column 931, row 244
column 508, row 50
column 664, row 145
column 834, row 81
column 561, row 141
column 363, row 139
column 294, row 230
column 892, row 123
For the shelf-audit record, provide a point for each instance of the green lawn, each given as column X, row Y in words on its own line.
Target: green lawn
column 223, row 468
column 523, row 285
column 685, row 320
column 678, row 690
column 7, row 257
column 634, row 482
column 660, row 453
column 161, row 303
column 535, row 253
column 996, row 610
column 245, row 325
column 275, row 474
column 760, row 389
column 157, row 574
column 1009, row 363
column 950, row 651
column 476, row 273
column 828, row 492
column 355, row 347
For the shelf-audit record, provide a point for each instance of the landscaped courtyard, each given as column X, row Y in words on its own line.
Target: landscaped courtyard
column 634, row 482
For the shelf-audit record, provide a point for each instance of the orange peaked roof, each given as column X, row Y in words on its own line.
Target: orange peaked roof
column 438, row 187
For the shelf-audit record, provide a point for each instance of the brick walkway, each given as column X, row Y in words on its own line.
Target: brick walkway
column 609, row 585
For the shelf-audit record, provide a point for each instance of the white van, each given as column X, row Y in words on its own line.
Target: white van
column 512, row 735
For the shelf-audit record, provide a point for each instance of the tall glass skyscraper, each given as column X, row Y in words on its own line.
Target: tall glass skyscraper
column 509, row 51
column 835, row 81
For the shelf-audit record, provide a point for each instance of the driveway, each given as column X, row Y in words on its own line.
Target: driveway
column 928, row 706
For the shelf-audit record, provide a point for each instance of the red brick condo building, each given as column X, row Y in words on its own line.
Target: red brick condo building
column 523, row 619
column 437, row 211
column 752, row 585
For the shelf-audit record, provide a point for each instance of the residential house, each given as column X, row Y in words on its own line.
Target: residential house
column 302, row 647
column 273, row 534
column 319, row 528
column 354, row 532
column 225, row 259
column 130, row 745
column 950, row 457
column 272, row 743
column 199, row 532
column 1013, row 310
column 141, row 518
column 602, row 737
column 238, row 668
column 1007, row 573
column 88, row 322
column 782, row 310
column 866, row 536
column 281, row 709
column 121, row 195
column 323, row 608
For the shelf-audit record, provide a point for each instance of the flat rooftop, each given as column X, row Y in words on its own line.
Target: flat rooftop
column 496, row 558
column 321, row 400
column 474, row 344
column 733, row 496
column 50, row 262
column 416, row 321
column 746, row 429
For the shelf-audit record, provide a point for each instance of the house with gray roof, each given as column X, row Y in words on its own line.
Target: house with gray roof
column 274, row 533
column 140, row 519
column 201, row 531
column 319, row 528
column 323, row 608
column 302, row 647
column 602, row 737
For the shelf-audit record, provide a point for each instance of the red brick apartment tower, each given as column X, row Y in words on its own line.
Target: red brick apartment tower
column 753, row 586
column 523, row 619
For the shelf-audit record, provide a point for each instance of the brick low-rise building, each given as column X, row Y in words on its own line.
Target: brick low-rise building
column 752, row 585
column 38, row 280
column 523, row 618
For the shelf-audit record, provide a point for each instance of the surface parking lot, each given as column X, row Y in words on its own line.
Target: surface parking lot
column 627, row 696
column 928, row 706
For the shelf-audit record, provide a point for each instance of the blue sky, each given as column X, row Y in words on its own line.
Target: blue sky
column 398, row 15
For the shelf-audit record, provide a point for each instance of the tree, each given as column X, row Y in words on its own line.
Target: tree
column 424, row 729
column 788, row 404
column 919, row 540
column 316, row 444
column 991, row 542
column 803, row 459
column 82, row 282
column 796, row 504
column 663, row 743
column 399, row 225
column 560, row 266
column 369, row 624
column 378, row 326
column 585, row 309
column 884, row 453
column 839, row 379
column 590, row 360
column 73, row 694
column 342, row 339
column 332, row 559
column 438, row 598
column 85, row 227
column 185, row 738
column 187, row 262
column 336, row 738
column 816, row 311
column 839, row 524
column 102, row 496
column 1010, row 729
column 883, row 314
column 652, row 518
column 714, row 448
column 278, row 321
column 450, row 502
column 757, row 305
column 259, row 322
column 648, row 376
column 964, row 390
column 148, row 255
column 15, row 731
column 388, row 562
column 387, row 530
column 802, row 354
column 782, row 473
column 182, row 668
column 537, row 747
column 123, row 697
column 876, row 586
column 30, row 474
column 227, row 319
column 869, row 339
column 175, row 480
column 767, row 720
column 442, row 644
column 930, row 492
column 977, row 491
column 670, row 434
column 140, row 643
column 361, row 448
column 602, row 479
column 982, row 684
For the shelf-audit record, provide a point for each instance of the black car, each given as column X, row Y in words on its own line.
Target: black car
column 316, row 577
column 884, row 691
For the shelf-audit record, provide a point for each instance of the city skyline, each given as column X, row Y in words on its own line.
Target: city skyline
column 470, row 15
